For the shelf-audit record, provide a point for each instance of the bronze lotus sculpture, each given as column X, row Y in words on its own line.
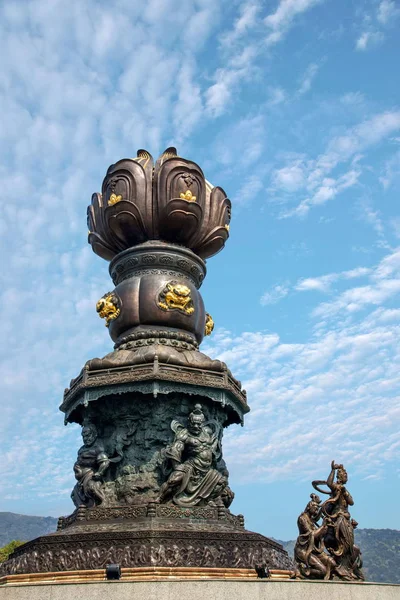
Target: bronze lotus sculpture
column 150, row 219
column 169, row 201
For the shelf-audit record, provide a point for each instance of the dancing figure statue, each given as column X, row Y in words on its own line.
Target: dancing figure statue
column 89, row 468
column 193, row 455
column 339, row 536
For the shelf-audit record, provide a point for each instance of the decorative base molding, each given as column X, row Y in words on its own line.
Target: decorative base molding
column 147, row 542
column 125, row 517
column 155, row 378
column 143, row 574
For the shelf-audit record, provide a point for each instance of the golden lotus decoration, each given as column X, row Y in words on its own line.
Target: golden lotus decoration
column 188, row 196
column 170, row 201
column 113, row 199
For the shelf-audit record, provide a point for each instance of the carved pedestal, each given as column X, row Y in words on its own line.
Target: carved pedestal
column 122, row 516
column 148, row 535
column 152, row 487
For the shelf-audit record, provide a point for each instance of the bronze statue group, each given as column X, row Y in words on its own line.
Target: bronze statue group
column 327, row 550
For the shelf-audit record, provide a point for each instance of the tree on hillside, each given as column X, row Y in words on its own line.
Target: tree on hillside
column 6, row 550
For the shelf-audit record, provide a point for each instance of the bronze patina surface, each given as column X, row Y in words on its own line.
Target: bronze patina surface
column 152, row 487
column 328, row 551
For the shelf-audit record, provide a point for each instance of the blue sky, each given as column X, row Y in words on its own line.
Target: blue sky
column 292, row 106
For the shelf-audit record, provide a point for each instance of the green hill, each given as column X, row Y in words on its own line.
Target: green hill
column 24, row 527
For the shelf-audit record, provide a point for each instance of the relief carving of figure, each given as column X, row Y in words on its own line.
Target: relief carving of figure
column 93, row 462
column 89, row 468
column 339, row 538
column 194, row 454
column 309, row 553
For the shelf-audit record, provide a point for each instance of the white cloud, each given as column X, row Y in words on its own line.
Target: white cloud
column 279, row 22
column 357, row 272
column 314, row 176
column 386, row 14
column 387, row 11
column 277, row 95
column 395, row 224
column 371, row 216
column 368, row 39
column 242, row 138
column 327, row 190
column 384, row 284
column 390, row 171
column 189, row 107
column 244, row 23
column 274, row 295
column 241, row 63
column 324, row 282
column 291, row 177
column 308, row 78
column 218, row 96
column 250, row 189
column 320, row 284
column 353, row 98
column 335, row 395
column 359, row 138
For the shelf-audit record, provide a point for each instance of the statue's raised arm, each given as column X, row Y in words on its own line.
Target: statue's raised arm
column 330, row 481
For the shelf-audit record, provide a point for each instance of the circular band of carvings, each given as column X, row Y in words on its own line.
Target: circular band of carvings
column 151, row 336
column 158, row 259
column 60, row 552
column 164, row 511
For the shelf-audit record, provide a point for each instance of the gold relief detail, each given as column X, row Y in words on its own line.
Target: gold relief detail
column 176, row 296
column 227, row 227
column 109, row 307
column 143, row 158
column 188, row 196
column 209, row 324
column 114, row 199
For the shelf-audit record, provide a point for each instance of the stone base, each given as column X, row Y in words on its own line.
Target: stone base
column 201, row 589
column 142, row 574
column 193, row 537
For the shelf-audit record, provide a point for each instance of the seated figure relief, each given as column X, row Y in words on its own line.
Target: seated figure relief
column 91, row 464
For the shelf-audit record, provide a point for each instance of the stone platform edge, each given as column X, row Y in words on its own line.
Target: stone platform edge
column 142, row 574
column 198, row 588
